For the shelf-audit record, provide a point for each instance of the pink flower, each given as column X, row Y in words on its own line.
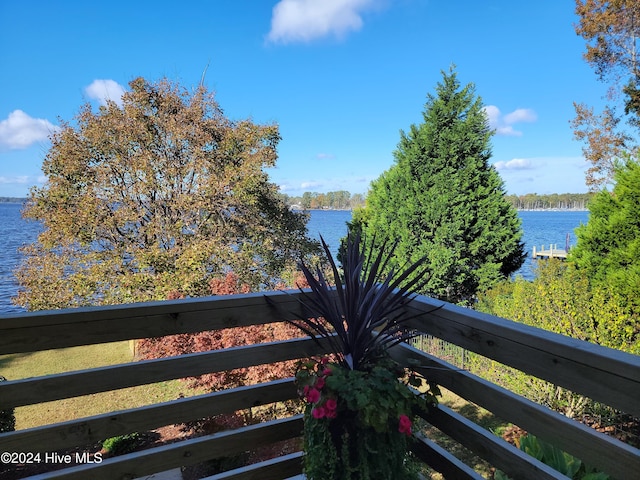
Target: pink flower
column 404, row 425
column 318, row 413
column 313, row 395
column 319, row 383
column 326, row 372
column 331, row 404
column 324, row 360
column 330, row 413
column 305, row 390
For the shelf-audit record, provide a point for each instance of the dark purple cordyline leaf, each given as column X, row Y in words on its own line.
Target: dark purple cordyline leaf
column 365, row 309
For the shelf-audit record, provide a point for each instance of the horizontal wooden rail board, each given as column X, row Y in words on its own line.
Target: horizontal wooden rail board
column 275, row 469
column 83, row 382
column 85, row 431
column 608, row 454
column 35, row 331
column 442, row 461
column 489, row 447
column 187, row 452
column 603, row 374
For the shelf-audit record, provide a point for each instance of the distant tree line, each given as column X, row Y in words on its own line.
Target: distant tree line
column 343, row 200
column 560, row 201
column 339, row 200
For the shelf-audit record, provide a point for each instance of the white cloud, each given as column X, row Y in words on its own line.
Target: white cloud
column 522, row 176
column 306, row 20
column 515, row 164
column 285, row 187
column 103, row 90
column 520, row 115
column 19, row 130
column 310, row 184
column 19, row 179
column 503, row 124
column 493, row 114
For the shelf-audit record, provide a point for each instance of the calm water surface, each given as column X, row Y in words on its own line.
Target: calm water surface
column 540, row 228
column 14, row 233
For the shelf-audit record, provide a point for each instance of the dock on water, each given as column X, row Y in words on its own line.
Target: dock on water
column 552, row 252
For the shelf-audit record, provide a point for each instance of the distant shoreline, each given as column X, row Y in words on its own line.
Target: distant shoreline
column 552, row 209
column 518, row 209
column 20, row 201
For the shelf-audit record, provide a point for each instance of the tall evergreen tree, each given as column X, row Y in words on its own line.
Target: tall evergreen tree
column 443, row 201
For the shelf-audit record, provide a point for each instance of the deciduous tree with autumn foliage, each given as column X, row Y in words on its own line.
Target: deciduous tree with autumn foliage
column 611, row 29
column 161, row 193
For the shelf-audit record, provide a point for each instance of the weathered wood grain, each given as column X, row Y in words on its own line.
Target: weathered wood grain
column 279, row 468
column 31, row 332
column 489, row 447
column 84, row 382
column 187, row 452
column 442, row 461
column 85, row 431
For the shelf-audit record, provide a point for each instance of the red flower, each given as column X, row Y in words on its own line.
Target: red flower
column 404, row 425
column 313, row 395
column 324, row 360
column 331, row 404
column 319, row 383
column 326, row 372
column 318, row 413
column 330, row 413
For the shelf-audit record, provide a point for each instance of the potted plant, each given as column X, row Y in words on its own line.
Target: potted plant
column 359, row 402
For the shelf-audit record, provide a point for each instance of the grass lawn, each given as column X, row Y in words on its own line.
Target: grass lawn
column 25, row 365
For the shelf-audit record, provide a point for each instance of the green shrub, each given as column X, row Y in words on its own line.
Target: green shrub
column 560, row 299
column 122, row 444
column 7, row 417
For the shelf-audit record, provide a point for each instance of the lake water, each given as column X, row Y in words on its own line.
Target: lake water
column 540, row 228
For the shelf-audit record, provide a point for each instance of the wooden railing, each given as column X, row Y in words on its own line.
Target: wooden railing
column 608, row 376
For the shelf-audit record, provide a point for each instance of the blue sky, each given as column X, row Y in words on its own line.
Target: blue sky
column 340, row 77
